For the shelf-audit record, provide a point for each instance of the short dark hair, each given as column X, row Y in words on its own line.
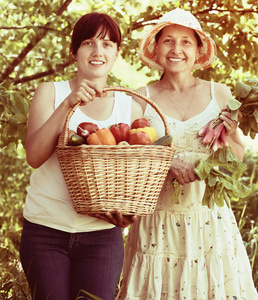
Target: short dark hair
column 88, row 25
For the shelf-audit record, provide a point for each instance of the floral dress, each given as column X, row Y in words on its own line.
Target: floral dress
column 185, row 250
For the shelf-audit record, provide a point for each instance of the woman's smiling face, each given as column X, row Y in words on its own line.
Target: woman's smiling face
column 177, row 48
column 96, row 56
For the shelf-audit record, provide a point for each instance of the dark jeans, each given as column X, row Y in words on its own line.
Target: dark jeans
column 59, row 264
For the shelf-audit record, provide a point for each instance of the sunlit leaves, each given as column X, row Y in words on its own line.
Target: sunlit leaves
column 14, row 108
column 221, row 187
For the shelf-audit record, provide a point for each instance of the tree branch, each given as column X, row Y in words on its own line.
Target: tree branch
column 25, row 27
column 32, row 44
column 153, row 19
column 43, row 74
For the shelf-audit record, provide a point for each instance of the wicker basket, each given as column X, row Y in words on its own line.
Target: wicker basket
column 108, row 178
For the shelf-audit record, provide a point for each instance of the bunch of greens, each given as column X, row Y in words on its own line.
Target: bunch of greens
column 245, row 100
column 219, row 171
column 247, row 96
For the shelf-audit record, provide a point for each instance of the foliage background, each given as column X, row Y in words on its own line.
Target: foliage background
column 35, row 37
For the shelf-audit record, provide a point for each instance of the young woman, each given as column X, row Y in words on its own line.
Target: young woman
column 63, row 252
column 185, row 250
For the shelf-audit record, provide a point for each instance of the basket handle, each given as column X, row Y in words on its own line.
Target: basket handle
column 64, row 134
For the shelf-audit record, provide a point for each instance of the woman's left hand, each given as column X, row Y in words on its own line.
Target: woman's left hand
column 230, row 125
column 183, row 172
column 117, row 218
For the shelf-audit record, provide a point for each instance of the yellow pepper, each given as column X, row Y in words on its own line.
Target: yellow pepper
column 149, row 130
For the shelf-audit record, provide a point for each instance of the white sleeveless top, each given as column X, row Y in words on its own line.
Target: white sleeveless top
column 48, row 201
column 185, row 141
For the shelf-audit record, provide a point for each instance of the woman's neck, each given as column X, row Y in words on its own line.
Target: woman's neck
column 78, row 79
column 177, row 82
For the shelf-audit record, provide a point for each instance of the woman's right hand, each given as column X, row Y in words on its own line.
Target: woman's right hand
column 183, row 172
column 86, row 91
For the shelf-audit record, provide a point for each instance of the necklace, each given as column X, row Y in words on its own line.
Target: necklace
column 182, row 116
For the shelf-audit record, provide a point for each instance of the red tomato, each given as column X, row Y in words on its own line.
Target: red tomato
column 140, row 123
column 121, row 132
column 86, row 128
column 139, row 138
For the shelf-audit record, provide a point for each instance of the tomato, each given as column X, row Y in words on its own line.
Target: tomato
column 140, row 123
column 149, row 130
column 139, row 138
column 86, row 128
column 121, row 132
column 101, row 137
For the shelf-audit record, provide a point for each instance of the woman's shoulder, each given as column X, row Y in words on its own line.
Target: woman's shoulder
column 222, row 93
column 139, row 100
column 45, row 87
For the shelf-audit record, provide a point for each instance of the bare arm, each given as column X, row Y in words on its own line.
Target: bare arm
column 45, row 123
column 140, row 101
column 222, row 94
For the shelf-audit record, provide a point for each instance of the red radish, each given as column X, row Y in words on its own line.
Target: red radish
column 216, row 144
column 209, row 136
column 223, row 137
column 218, row 129
column 203, row 130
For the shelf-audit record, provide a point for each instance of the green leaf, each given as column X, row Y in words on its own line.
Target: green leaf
column 203, row 169
column 242, row 90
column 233, row 103
column 255, row 114
column 220, row 187
column 207, row 199
column 234, row 114
column 212, row 179
column 227, row 199
column 177, row 191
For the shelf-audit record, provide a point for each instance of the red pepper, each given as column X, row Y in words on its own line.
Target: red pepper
column 121, row 132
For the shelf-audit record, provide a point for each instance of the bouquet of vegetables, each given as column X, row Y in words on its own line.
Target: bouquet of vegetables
column 220, row 168
column 220, row 173
column 246, row 101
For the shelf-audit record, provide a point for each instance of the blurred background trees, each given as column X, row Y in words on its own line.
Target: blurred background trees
column 35, row 38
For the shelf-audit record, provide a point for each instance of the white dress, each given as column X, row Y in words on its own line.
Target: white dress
column 186, row 250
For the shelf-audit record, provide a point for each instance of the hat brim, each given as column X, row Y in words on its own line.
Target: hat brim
column 146, row 52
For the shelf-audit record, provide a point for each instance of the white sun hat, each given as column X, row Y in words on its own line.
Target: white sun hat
column 207, row 52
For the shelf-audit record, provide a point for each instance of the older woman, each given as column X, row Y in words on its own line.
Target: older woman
column 185, row 250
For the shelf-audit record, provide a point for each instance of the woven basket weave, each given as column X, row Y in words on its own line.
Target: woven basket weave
column 104, row 178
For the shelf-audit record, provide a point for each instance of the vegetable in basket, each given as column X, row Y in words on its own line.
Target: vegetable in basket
column 140, row 123
column 84, row 129
column 139, row 138
column 121, row 132
column 151, row 131
column 101, row 137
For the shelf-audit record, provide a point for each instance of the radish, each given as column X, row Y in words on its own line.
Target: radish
column 218, row 129
column 203, row 130
column 223, row 137
column 217, row 144
column 209, row 135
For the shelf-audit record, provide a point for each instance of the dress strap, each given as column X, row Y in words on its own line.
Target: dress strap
column 212, row 90
column 147, row 91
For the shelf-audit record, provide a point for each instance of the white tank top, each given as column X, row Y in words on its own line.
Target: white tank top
column 48, row 201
